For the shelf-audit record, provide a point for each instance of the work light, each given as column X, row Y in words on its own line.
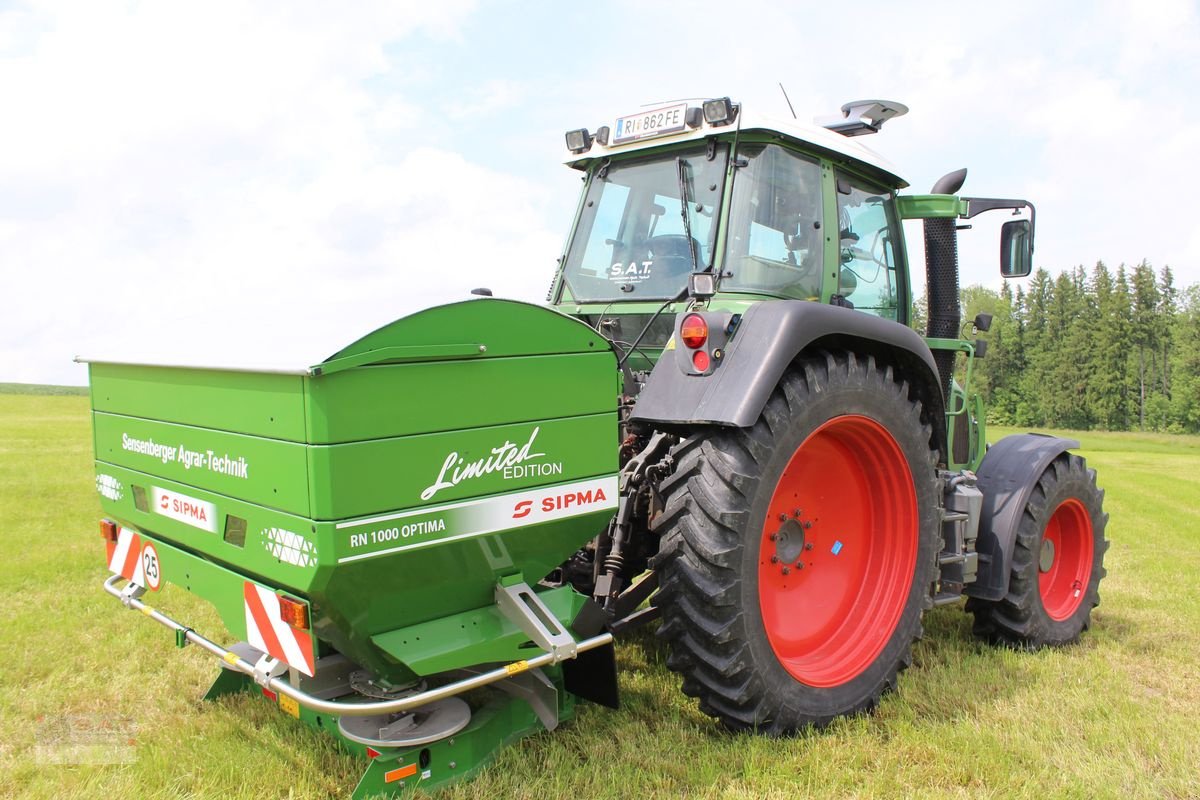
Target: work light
column 719, row 111
column 579, row 141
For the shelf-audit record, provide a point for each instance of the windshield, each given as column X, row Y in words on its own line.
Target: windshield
column 631, row 242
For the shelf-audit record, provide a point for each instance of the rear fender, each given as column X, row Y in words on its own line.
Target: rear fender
column 1009, row 471
column 769, row 337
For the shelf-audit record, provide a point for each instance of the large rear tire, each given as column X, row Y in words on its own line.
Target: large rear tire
column 798, row 554
column 1057, row 562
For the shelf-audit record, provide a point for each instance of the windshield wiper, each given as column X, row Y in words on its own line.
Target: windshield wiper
column 685, row 208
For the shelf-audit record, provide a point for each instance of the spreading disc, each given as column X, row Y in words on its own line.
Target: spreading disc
column 423, row 725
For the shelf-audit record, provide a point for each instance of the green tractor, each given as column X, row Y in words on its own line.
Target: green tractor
column 427, row 541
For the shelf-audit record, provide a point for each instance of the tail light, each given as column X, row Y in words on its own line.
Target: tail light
column 293, row 612
column 108, row 530
column 693, row 331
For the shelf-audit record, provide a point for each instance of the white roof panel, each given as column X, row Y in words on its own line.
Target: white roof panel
column 850, row 147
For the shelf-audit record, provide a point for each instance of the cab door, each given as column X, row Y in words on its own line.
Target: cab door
column 870, row 249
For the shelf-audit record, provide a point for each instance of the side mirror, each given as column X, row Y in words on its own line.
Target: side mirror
column 1016, row 248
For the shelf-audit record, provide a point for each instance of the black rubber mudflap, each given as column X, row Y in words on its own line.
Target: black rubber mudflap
column 593, row 676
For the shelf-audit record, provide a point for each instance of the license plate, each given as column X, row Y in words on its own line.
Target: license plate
column 655, row 122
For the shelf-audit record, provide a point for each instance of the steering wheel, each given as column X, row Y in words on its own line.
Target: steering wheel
column 671, row 245
column 875, row 255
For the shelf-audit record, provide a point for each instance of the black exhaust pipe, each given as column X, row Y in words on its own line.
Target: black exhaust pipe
column 941, row 279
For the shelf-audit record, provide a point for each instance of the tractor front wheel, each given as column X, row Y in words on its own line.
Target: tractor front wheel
column 1057, row 562
column 797, row 555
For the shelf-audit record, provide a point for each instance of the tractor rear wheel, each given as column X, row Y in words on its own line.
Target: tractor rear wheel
column 1057, row 562
column 798, row 554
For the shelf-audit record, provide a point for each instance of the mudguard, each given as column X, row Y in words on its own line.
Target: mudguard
column 769, row 337
column 1009, row 471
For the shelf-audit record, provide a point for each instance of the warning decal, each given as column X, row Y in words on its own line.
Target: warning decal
column 266, row 630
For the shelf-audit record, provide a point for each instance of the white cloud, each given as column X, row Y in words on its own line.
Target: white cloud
column 194, row 178
column 202, row 183
column 494, row 95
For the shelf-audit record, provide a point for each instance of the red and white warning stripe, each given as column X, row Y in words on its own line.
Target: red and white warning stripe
column 134, row 559
column 125, row 556
column 266, row 630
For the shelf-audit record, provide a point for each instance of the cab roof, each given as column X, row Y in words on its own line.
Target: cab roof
column 811, row 136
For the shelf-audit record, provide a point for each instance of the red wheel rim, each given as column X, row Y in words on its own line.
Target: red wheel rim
column 843, row 523
column 1065, row 560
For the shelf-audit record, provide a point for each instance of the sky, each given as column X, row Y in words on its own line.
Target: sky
column 264, row 182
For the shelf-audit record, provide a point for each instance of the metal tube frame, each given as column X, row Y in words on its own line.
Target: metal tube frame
column 280, row 686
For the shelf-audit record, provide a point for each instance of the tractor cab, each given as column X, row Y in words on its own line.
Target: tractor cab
column 769, row 208
column 704, row 207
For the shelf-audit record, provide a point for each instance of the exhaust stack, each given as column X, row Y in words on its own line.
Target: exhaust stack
column 941, row 279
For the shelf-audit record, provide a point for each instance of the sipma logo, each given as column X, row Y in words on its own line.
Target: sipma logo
column 510, row 460
column 563, row 501
column 188, row 510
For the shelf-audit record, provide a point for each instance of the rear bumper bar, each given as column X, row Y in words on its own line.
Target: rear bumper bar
column 268, row 675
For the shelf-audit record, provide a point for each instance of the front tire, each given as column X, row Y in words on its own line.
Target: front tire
column 1057, row 563
column 798, row 554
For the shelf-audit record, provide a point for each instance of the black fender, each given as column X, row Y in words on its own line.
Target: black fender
column 1009, row 471
column 768, row 339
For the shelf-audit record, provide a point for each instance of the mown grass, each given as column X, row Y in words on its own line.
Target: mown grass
column 1115, row 716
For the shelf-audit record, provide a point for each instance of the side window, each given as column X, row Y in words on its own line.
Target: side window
column 867, row 276
column 608, row 219
column 775, row 237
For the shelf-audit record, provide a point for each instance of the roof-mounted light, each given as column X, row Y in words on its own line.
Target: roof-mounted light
column 601, row 136
column 864, row 117
column 719, row 111
column 579, row 141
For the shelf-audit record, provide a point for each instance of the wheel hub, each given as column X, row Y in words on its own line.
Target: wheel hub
column 789, row 539
column 1046, row 558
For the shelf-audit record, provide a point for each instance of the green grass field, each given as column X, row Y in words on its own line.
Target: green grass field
column 1116, row 716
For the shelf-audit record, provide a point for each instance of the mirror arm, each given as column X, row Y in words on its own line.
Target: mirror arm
column 980, row 205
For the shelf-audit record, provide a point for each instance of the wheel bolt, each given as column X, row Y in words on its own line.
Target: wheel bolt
column 797, row 513
column 799, row 565
column 786, row 571
column 808, row 545
column 807, row 525
column 774, row 559
column 774, row 536
column 783, row 517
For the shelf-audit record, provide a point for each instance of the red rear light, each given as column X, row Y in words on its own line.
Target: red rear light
column 293, row 612
column 108, row 530
column 700, row 361
column 693, row 331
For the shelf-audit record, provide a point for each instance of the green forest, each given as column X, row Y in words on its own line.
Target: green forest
column 1090, row 350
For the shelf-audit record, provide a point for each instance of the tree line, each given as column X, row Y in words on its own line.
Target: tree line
column 1090, row 349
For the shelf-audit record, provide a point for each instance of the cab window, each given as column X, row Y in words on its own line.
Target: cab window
column 867, row 248
column 775, row 236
